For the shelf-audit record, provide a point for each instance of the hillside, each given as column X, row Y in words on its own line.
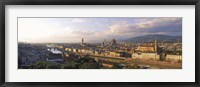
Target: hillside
column 158, row 37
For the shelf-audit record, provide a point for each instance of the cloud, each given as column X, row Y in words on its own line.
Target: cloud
column 151, row 26
column 36, row 30
column 77, row 20
column 124, row 30
column 83, row 33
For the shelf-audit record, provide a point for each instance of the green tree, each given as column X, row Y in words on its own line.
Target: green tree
column 40, row 65
column 52, row 65
column 71, row 65
column 90, row 66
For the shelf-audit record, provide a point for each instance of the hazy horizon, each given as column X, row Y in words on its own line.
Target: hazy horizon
column 72, row 30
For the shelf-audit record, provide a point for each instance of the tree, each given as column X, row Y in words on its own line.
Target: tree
column 90, row 66
column 46, row 65
column 71, row 65
column 52, row 65
column 40, row 65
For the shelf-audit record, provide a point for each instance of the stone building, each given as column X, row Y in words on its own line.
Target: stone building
column 146, row 56
column 173, row 58
column 153, row 48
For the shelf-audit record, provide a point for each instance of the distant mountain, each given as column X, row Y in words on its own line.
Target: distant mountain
column 158, row 37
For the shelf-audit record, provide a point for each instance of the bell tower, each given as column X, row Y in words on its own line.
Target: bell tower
column 155, row 46
column 82, row 41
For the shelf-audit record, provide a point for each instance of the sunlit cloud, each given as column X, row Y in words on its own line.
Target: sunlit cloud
column 78, row 20
column 156, row 25
column 94, row 29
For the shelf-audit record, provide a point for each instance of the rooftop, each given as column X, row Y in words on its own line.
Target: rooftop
column 55, row 51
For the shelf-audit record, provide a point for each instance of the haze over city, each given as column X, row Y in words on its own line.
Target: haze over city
column 71, row 30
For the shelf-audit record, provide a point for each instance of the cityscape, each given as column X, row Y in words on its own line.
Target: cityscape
column 100, row 43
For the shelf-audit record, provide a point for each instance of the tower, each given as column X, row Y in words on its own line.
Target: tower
column 178, row 41
column 155, row 46
column 114, row 41
column 104, row 42
column 82, row 41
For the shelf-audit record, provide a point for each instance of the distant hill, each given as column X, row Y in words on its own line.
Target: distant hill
column 158, row 37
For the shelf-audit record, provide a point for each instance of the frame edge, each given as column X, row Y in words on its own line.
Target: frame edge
column 197, row 36
column 2, row 44
column 2, row 40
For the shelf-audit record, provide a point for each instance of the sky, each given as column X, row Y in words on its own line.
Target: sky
column 94, row 29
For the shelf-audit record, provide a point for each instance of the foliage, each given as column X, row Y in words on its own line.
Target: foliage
column 89, row 66
column 52, row 65
column 40, row 65
column 76, row 63
column 71, row 65
column 82, row 63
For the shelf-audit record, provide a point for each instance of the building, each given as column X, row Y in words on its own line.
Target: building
column 146, row 49
column 114, row 42
column 173, row 58
column 107, row 65
column 97, row 52
column 116, row 54
column 79, row 51
column 60, row 47
column 153, row 48
column 120, row 54
column 68, row 49
column 132, row 50
column 55, row 56
column 146, row 56
column 75, row 50
column 82, row 41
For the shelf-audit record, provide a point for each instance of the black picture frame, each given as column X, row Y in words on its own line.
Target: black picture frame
column 99, row 2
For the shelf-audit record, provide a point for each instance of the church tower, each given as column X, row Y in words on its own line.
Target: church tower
column 155, row 46
column 82, row 41
column 114, row 42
